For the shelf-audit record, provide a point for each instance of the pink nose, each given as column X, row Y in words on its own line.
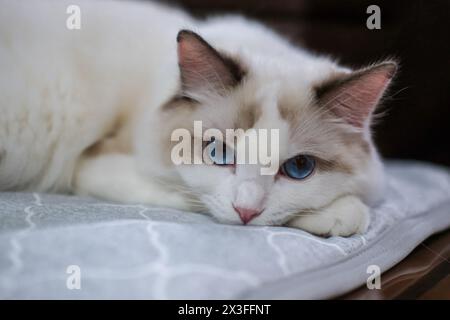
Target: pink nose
column 247, row 214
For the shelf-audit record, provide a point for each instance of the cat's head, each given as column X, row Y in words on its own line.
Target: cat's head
column 320, row 111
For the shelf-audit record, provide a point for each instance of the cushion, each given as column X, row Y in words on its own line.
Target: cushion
column 138, row 251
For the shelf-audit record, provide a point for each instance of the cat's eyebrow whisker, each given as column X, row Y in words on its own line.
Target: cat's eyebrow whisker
column 318, row 112
column 306, row 123
column 329, row 105
column 312, row 123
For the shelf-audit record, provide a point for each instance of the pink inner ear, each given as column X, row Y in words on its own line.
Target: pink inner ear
column 355, row 98
column 201, row 66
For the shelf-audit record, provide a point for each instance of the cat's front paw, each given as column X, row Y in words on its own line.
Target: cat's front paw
column 345, row 216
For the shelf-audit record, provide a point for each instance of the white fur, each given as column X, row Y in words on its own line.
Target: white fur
column 343, row 217
column 62, row 91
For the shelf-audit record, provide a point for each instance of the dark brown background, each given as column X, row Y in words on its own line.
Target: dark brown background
column 417, row 32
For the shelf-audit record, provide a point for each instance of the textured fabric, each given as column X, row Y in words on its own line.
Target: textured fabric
column 136, row 251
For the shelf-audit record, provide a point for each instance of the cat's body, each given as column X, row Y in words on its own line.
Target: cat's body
column 63, row 90
column 91, row 111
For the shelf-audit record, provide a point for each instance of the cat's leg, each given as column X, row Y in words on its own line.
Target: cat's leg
column 345, row 216
column 112, row 176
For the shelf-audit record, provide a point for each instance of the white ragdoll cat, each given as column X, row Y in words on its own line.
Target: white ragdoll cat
column 91, row 111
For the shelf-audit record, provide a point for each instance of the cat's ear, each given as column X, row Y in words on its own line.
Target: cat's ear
column 353, row 97
column 203, row 68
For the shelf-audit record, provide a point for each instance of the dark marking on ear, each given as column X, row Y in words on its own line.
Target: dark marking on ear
column 179, row 101
column 343, row 78
column 236, row 70
column 247, row 116
column 182, row 98
column 353, row 97
column 202, row 66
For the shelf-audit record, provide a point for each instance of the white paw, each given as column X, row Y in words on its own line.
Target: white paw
column 343, row 217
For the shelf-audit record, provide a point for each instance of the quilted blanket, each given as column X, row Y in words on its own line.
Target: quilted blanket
column 68, row 247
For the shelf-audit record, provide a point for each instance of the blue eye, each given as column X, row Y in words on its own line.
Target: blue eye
column 299, row 167
column 219, row 153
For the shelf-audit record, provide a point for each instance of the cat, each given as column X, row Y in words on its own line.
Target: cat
column 90, row 111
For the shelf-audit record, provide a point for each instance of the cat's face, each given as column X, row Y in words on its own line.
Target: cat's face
column 322, row 147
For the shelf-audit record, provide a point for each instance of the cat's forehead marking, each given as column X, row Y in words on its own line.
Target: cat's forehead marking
column 178, row 101
column 294, row 104
column 247, row 116
column 288, row 112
